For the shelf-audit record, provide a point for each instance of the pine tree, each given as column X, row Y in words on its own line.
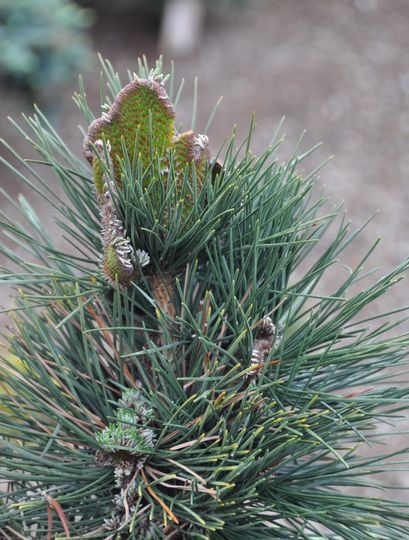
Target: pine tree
column 173, row 374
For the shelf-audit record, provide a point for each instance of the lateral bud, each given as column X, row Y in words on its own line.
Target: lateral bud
column 263, row 344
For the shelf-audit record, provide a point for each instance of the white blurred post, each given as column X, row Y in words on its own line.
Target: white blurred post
column 181, row 26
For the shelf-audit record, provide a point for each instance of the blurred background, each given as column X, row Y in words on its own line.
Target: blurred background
column 338, row 68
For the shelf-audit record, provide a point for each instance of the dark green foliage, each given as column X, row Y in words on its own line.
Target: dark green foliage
column 238, row 448
column 42, row 42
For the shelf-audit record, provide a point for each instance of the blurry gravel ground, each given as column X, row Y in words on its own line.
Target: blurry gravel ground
column 339, row 68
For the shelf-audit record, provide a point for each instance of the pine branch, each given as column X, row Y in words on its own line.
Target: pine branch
column 208, row 393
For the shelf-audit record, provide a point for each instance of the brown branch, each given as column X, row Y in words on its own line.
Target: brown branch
column 162, row 290
column 49, row 523
column 55, row 505
column 159, row 500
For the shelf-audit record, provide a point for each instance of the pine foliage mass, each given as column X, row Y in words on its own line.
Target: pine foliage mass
column 174, row 372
